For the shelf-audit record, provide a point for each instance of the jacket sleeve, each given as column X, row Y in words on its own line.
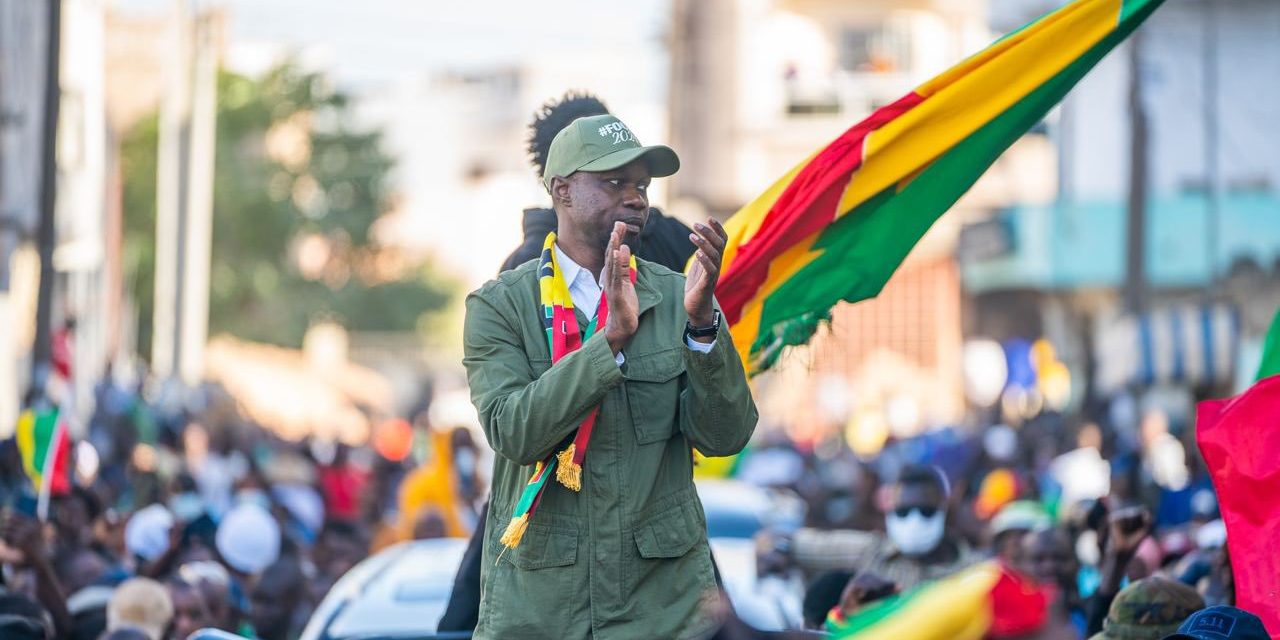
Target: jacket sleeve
column 717, row 413
column 524, row 415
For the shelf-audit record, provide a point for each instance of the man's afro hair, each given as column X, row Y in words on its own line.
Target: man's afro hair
column 555, row 115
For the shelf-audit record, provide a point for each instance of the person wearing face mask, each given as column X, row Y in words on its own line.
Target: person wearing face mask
column 914, row 548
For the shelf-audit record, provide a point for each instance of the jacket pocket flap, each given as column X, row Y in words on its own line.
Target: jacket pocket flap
column 543, row 547
column 655, row 367
column 670, row 534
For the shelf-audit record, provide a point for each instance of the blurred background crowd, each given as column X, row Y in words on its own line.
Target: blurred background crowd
column 186, row 515
column 182, row 517
column 233, row 278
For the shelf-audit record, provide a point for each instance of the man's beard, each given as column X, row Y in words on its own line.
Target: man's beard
column 631, row 240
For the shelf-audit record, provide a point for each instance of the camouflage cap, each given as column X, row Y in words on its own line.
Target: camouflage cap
column 1149, row 609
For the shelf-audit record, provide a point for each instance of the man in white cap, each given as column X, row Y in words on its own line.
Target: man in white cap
column 248, row 539
column 146, row 535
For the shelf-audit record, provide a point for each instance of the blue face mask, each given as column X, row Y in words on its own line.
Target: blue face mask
column 466, row 462
column 187, row 506
column 253, row 496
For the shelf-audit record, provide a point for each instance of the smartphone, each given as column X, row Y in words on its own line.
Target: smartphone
column 1130, row 519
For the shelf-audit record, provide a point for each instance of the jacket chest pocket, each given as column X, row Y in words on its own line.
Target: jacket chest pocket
column 543, row 547
column 653, row 394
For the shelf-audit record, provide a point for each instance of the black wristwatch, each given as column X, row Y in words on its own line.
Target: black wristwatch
column 691, row 331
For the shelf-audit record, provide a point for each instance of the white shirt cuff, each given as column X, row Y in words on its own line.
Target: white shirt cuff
column 700, row 347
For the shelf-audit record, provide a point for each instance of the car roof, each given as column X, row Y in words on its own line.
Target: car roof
column 733, row 495
column 400, row 591
column 738, row 509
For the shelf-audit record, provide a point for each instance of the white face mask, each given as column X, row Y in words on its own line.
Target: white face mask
column 914, row 534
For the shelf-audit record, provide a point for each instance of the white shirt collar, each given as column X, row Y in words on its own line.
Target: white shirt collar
column 571, row 270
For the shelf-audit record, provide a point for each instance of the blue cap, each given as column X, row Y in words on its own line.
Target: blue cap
column 1221, row 623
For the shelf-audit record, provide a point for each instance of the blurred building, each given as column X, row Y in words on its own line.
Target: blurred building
column 86, row 285
column 23, row 29
column 759, row 85
column 1212, row 236
column 167, row 63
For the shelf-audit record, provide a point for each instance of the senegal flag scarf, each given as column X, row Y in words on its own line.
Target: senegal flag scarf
column 563, row 338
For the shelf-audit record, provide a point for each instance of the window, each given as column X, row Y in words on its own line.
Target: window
column 874, row 49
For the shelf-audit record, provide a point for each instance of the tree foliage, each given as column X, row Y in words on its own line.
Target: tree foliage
column 297, row 191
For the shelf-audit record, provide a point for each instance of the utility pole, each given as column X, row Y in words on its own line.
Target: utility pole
column 1136, row 228
column 45, row 231
column 1212, row 133
column 170, row 197
column 184, row 197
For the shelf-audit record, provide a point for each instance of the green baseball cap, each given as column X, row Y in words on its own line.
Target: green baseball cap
column 603, row 143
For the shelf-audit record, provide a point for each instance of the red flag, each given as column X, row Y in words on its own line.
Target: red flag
column 60, row 352
column 1240, row 440
column 1018, row 605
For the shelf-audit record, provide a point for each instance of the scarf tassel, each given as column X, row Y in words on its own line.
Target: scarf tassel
column 568, row 471
column 515, row 531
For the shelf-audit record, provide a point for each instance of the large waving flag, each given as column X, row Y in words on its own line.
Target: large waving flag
column 1240, row 440
column 838, row 225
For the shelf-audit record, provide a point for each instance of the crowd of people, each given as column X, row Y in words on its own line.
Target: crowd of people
column 183, row 515
column 194, row 521
column 181, row 518
column 1124, row 541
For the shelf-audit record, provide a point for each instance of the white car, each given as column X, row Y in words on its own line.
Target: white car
column 399, row 594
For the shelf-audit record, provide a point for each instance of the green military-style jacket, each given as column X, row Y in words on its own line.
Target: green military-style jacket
column 627, row 557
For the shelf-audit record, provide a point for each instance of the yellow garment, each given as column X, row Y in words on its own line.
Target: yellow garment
column 432, row 485
column 708, row 467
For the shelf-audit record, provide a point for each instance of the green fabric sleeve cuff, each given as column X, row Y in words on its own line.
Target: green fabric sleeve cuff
column 603, row 362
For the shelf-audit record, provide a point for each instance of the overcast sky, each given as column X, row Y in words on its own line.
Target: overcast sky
column 369, row 42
